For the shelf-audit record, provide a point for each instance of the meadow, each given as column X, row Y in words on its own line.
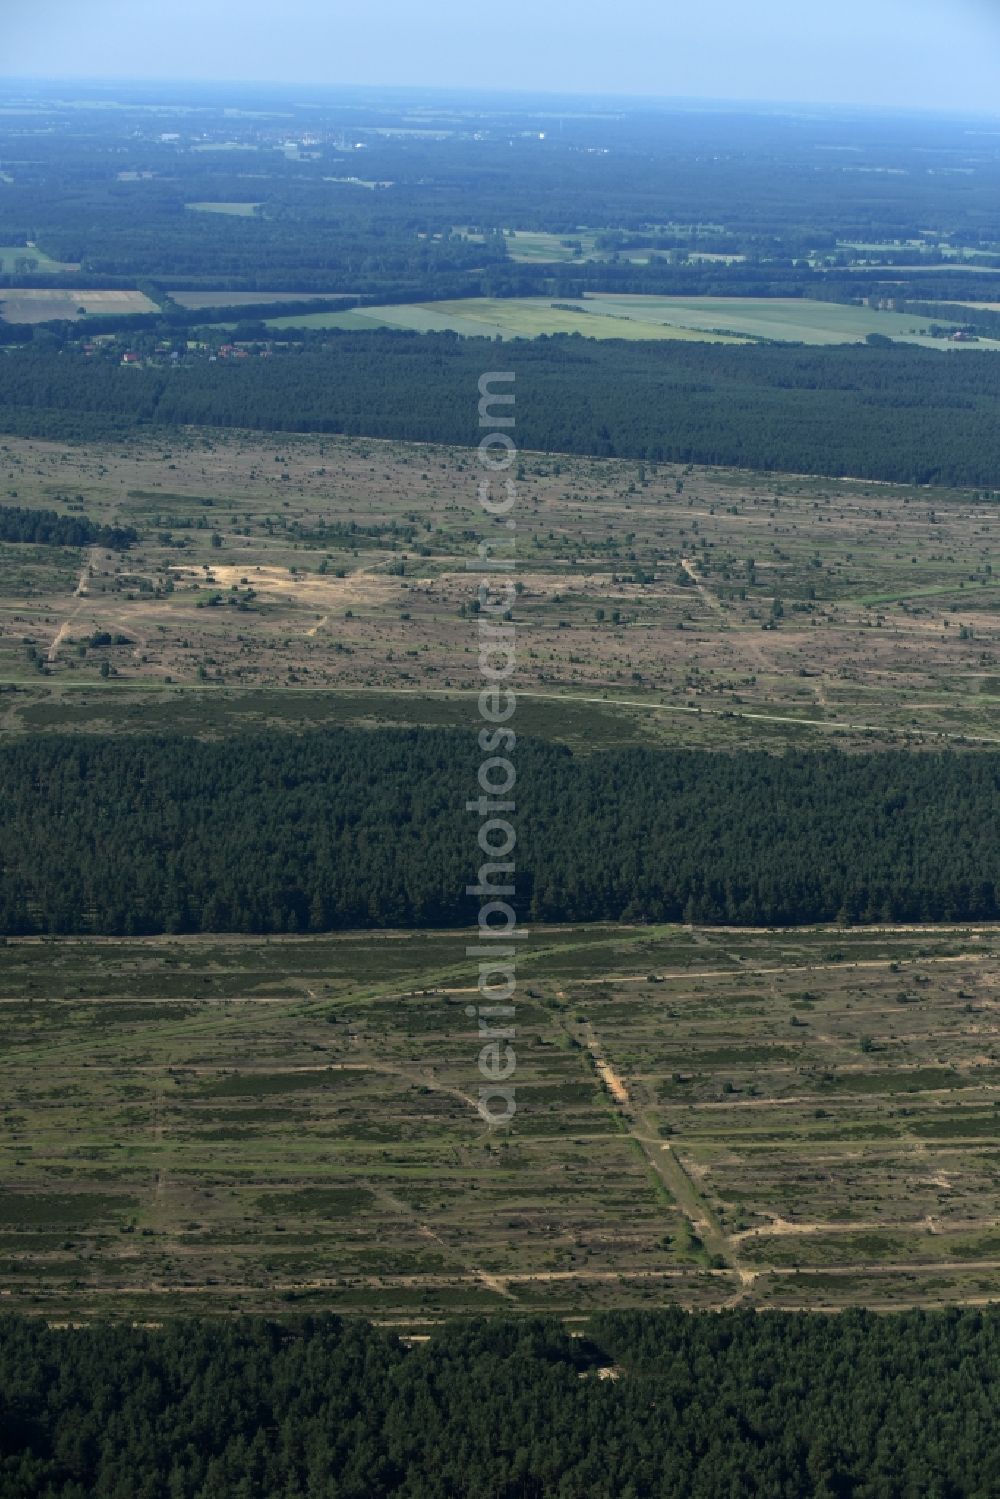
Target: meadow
column 10, row 254
column 608, row 315
column 500, row 317
column 786, row 319
column 599, row 315
column 235, row 210
column 538, row 247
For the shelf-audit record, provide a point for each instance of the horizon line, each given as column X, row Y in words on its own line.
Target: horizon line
column 685, row 101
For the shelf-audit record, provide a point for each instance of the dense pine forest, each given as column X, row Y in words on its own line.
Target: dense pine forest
column 908, row 414
column 775, row 1406
column 346, row 828
column 48, row 528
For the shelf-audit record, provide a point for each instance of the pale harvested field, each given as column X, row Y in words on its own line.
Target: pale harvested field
column 34, row 305
column 10, row 254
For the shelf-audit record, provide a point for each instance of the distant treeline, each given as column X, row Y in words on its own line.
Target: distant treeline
column 48, row 528
column 903, row 413
column 511, row 278
column 348, row 829
column 982, row 320
column 772, row 279
column 776, row 1406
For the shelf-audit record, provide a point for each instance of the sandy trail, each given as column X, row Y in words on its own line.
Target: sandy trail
column 749, row 641
column 510, row 1279
column 495, row 1283
column 611, row 1079
column 80, row 593
column 60, row 636
column 709, row 598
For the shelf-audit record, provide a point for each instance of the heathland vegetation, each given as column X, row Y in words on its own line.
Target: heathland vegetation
column 206, row 1125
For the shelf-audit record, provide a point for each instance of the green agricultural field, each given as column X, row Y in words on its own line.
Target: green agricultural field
column 235, row 210
column 798, row 1119
column 948, row 252
column 11, row 254
column 369, row 184
column 712, row 319
column 512, row 317
column 534, row 246
column 929, row 266
column 225, row 146
column 531, row 245
column 789, row 320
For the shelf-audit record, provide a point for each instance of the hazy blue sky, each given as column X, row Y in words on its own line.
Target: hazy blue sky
column 936, row 53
